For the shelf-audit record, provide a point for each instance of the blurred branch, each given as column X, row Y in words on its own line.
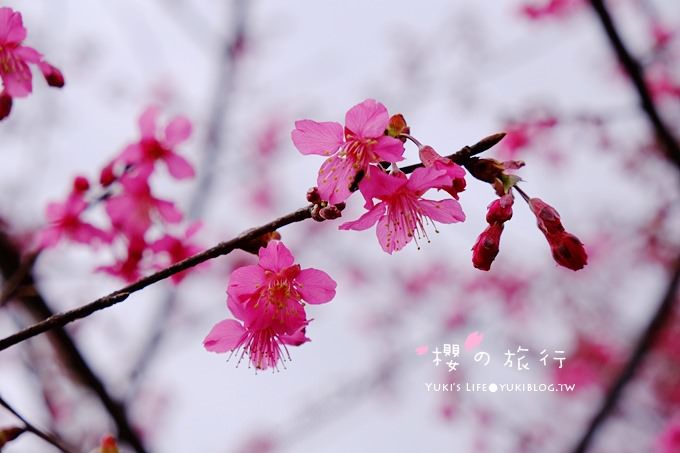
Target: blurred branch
column 636, row 73
column 12, row 265
column 243, row 241
column 228, row 60
column 32, row 429
column 644, row 344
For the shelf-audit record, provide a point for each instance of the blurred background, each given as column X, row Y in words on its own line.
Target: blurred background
column 243, row 71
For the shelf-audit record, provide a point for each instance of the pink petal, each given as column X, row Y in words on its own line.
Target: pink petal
column 365, row 221
column 178, row 166
column 425, row 178
column 177, row 131
column 55, row 211
column 49, row 237
column 335, row 177
column 12, row 29
column 18, row 83
column 295, row 339
column 131, row 154
column 28, row 54
column 315, row 286
column 389, row 149
column 391, row 241
column 244, row 281
column 224, row 336
column 147, row 122
column 380, row 184
column 445, row 211
column 275, row 257
column 311, row 137
column 163, row 244
column 168, row 211
column 367, row 119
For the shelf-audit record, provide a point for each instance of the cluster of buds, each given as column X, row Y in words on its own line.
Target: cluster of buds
column 487, row 246
column 322, row 210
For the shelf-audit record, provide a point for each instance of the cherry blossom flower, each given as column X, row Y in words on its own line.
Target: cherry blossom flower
column 266, row 298
column 402, row 212
column 132, row 210
column 551, row 8
column 430, row 158
column 154, row 147
column 177, row 249
column 128, row 268
column 15, row 58
column 65, row 220
column 364, row 142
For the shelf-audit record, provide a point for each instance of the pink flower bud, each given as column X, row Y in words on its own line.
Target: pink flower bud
column 52, row 75
column 107, row 177
column 568, row 250
column 330, row 212
column 313, row 195
column 548, row 218
column 81, row 184
column 5, row 105
column 500, row 210
column 487, row 246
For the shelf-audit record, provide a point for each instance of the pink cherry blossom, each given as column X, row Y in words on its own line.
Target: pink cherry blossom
column 669, row 439
column 154, row 147
column 131, row 211
column 15, row 58
column 177, row 249
column 364, row 142
column 267, row 298
column 402, row 212
column 130, row 267
column 65, row 221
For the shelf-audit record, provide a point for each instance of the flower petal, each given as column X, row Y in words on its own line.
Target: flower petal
column 425, row 178
column 275, row 257
column 335, row 178
column 147, row 122
column 225, row 336
column 391, row 240
column 365, row 221
column 444, row 211
column 178, row 166
column 388, row 149
column 367, row 119
column 311, row 137
column 177, row 131
column 315, row 286
column 244, row 281
column 12, row 29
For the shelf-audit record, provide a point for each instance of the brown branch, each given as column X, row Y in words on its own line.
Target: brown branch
column 637, row 76
column 12, row 265
column 52, row 440
column 663, row 313
column 244, row 240
column 659, row 320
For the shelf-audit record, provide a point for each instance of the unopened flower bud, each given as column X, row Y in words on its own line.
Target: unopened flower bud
column 398, row 126
column 5, row 105
column 313, row 195
column 108, row 445
column 487, row 246
column 568, row 250
column 500, row 210
column 53, row 76
column 81, row 184
column 315, row 213
column 107, row 177
column 330, row 212
column 547, row 217
column 341, row 206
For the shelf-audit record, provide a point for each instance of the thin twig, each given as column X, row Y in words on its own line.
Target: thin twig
column 31, row 428
column 244, row 240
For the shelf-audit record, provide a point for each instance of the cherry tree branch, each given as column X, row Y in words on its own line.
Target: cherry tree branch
column 245, row 240
column 18, row 276
column 50, row 439
column 663, row 313
column 636, row 74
